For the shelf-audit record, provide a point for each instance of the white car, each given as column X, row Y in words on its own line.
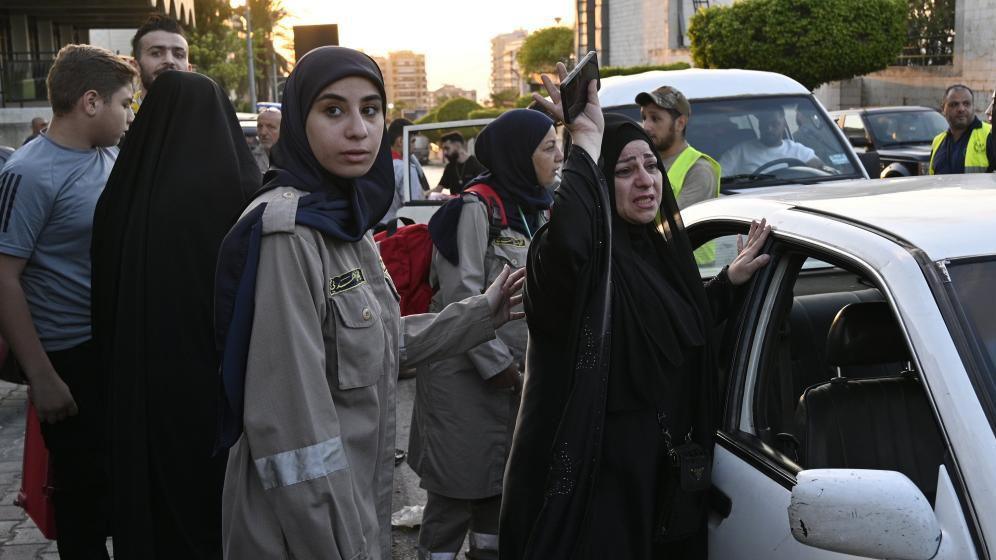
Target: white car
column 859, row 375
column 730, row 107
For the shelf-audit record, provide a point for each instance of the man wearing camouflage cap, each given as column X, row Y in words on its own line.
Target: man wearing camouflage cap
column 694, row 176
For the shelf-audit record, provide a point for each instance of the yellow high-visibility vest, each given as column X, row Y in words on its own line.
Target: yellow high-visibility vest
column 976, row 160
column 676, row 176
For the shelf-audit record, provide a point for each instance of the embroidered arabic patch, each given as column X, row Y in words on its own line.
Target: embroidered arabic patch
column 510, row 241
column 346, row 282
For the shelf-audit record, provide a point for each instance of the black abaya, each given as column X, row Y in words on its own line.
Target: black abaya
column 564, row 499
column 181, row 180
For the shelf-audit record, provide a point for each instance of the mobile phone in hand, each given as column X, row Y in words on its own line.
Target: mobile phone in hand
column 574, row 88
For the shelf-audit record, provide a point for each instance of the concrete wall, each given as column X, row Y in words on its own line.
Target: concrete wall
column 15, row 124
column 115, row 40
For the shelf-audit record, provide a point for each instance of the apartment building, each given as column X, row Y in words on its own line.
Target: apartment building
column 505, row 71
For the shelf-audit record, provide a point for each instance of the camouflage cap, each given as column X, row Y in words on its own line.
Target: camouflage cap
column 666, row 97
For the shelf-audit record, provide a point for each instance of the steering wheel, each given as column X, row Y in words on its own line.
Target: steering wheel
column 790, row 162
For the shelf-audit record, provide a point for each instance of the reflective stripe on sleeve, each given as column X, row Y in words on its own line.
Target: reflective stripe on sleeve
column 299, row 465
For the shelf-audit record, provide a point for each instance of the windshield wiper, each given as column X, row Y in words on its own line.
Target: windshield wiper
column 745, row 177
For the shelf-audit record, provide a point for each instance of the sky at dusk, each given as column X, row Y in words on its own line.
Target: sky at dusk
column 455, row 35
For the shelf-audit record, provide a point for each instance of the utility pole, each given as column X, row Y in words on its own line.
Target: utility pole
column 252, row 64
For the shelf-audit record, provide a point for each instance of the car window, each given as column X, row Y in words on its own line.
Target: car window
column 973, row 284
column 769, row 140
column 812, row 400
column 785, row 138
column 713, row 255
column 906, row 127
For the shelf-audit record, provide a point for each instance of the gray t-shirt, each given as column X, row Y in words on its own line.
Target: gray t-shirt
column 48, row 194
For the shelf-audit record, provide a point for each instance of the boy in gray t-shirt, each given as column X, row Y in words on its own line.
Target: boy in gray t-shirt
column 48, row 192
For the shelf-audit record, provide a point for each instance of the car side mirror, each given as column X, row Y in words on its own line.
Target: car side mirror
column 869, row 513
column 859, row 141
column 872, row 163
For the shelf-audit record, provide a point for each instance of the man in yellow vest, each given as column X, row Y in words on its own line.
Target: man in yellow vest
column 694, row 176
column 966, row 146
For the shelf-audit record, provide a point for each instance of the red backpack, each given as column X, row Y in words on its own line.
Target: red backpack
column 407, row 253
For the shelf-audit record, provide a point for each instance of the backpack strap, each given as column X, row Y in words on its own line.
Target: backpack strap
column 496, row 208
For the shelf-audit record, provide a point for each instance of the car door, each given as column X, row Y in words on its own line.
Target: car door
column 775, row 355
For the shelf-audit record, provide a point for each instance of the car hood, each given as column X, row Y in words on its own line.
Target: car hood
column 920, row 152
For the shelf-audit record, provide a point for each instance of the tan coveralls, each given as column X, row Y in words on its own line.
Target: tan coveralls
column 461, row 427
column 311, row 477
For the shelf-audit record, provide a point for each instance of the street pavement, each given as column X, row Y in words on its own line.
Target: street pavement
column 21, row 540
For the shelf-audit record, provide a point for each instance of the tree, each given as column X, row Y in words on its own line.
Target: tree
column 812, row 41
column 543, row 49
column 456, row 109
column 524, row 101
column 486, row 113
column 608, row 71
column 218, row 50
column 504, row 98
column 930, row 31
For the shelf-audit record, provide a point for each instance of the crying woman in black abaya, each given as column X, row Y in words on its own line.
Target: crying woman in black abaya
column 619, row 352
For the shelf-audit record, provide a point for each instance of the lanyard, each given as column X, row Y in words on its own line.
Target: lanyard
column 524, row 222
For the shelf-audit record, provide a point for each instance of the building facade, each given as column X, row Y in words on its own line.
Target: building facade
column 406, row 81
column 505, row 72
column 33, row 31
column 636, row 32
column 449, row 91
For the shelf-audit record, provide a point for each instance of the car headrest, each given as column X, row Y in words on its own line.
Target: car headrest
column 865, row 333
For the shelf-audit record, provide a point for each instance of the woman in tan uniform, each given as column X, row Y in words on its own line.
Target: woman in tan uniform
column 465, row 405
column 311, row 333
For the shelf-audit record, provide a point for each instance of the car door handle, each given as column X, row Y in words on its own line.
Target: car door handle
column 719, row 502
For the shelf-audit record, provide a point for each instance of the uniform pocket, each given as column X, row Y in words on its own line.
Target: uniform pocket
column 359, row 339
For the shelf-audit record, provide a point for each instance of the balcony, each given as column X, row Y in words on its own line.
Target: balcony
column 101, row 14
column 22, row 80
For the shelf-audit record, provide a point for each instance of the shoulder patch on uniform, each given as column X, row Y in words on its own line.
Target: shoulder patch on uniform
column 510, row 241
column 280, row 214
column 346, row 282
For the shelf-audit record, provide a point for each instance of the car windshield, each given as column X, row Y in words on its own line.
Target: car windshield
column 763, row 141
column 906, row 127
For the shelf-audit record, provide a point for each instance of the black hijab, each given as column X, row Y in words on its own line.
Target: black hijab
column 505, row 147
column 294, row 165
column 341, row 208
column 654, row 321
column 180, row 181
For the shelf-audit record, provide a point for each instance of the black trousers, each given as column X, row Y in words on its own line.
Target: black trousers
column 79, row 454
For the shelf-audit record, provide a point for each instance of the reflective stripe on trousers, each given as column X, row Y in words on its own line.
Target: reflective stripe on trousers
column 483, row 541
column 426, row 555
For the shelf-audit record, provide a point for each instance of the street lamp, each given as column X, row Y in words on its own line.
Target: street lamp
column 236, row 4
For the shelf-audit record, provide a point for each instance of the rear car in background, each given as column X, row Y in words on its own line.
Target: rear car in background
column 727, row 109
column 901, row 136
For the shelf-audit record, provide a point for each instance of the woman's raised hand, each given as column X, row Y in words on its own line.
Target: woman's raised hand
column 586, row 130
column 503, row 294
column 749, row 259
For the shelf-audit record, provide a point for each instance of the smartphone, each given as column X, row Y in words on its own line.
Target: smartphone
column 574, row 88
